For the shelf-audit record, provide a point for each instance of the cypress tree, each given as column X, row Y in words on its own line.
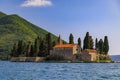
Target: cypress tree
column 36, row 47
column 20, row 48
column 24, row 48
column 106, row 45
column 49, row 43
column 28, row 49
column 39, row 40
column 71, row 39
column 14, row 51
column 91, row 42
column 31, row 51
column 86, row 42
column 101, row 46
column 43, row 49
column 79, row 42
column 96, row 44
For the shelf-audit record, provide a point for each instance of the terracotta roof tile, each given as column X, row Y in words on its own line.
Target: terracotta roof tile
column 64, row 45
column 91, row 50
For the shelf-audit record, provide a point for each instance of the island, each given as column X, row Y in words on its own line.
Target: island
column 47, row 50
column 20, row 40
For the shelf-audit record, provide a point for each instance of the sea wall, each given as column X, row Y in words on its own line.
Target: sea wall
column 27, row 59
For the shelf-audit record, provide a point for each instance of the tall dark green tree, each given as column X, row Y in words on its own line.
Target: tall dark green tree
column 36, row 47
column 32, row 51
column 24, row 49
column 49, row 43
column 43, row 49
column 79, row 42
column 96, row 44
column 106, row 45
column 101, row 46
column 28, row 49
column 91, row 42
column 71, row 39
column 20, row 49
column 14, row 51
column 86, row 42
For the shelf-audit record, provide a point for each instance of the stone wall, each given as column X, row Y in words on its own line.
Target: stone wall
column 76, row 50
column 93, row 56
column 85, row 56
column 88, row 56
column 67, row 53
column 27, row 59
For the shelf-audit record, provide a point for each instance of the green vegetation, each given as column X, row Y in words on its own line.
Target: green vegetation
column 101, row 46
column 106, row 45
column 49, row 43
column 96, row 44
column 71, row 39
column 41, row 48
column 91, row 42
column 104, row 58
column 2, row 14
column 88, row 42
column 79, row 42
column 14, row 28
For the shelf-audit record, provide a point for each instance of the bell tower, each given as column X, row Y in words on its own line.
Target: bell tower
column 60, row 40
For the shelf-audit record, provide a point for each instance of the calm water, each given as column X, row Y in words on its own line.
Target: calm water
column 59, row 71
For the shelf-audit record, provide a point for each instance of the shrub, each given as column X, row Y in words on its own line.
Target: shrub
column 104, row 57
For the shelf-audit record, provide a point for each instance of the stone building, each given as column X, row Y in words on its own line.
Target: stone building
column 73, row 52
column 68, row 51
column 89, row 55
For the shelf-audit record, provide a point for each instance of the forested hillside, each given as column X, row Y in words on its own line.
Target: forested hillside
column 14, row 28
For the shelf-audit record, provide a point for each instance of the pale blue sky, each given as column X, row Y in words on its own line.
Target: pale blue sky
column 99, row 17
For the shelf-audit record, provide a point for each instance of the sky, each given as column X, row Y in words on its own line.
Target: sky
column 98, row 17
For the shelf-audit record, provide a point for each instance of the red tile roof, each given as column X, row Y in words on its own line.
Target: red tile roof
column 91, row 50
column 64, row 45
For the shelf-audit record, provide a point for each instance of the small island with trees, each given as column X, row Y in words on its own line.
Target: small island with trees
column 48, row 50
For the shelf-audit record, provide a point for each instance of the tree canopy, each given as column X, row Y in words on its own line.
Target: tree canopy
column 106, row 45
column 71, row 39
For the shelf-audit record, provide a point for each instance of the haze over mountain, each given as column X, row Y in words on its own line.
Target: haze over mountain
column 14, row 28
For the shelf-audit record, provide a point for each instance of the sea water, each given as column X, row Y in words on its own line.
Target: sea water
column 59, row 71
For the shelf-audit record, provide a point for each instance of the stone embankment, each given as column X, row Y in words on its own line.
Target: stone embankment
column 27, row 59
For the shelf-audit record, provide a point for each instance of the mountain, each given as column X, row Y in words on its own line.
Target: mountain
column 115, row 57
column 2, row 14
column 14, row 28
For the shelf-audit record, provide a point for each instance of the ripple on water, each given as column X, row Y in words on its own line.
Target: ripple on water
column 58, row 71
